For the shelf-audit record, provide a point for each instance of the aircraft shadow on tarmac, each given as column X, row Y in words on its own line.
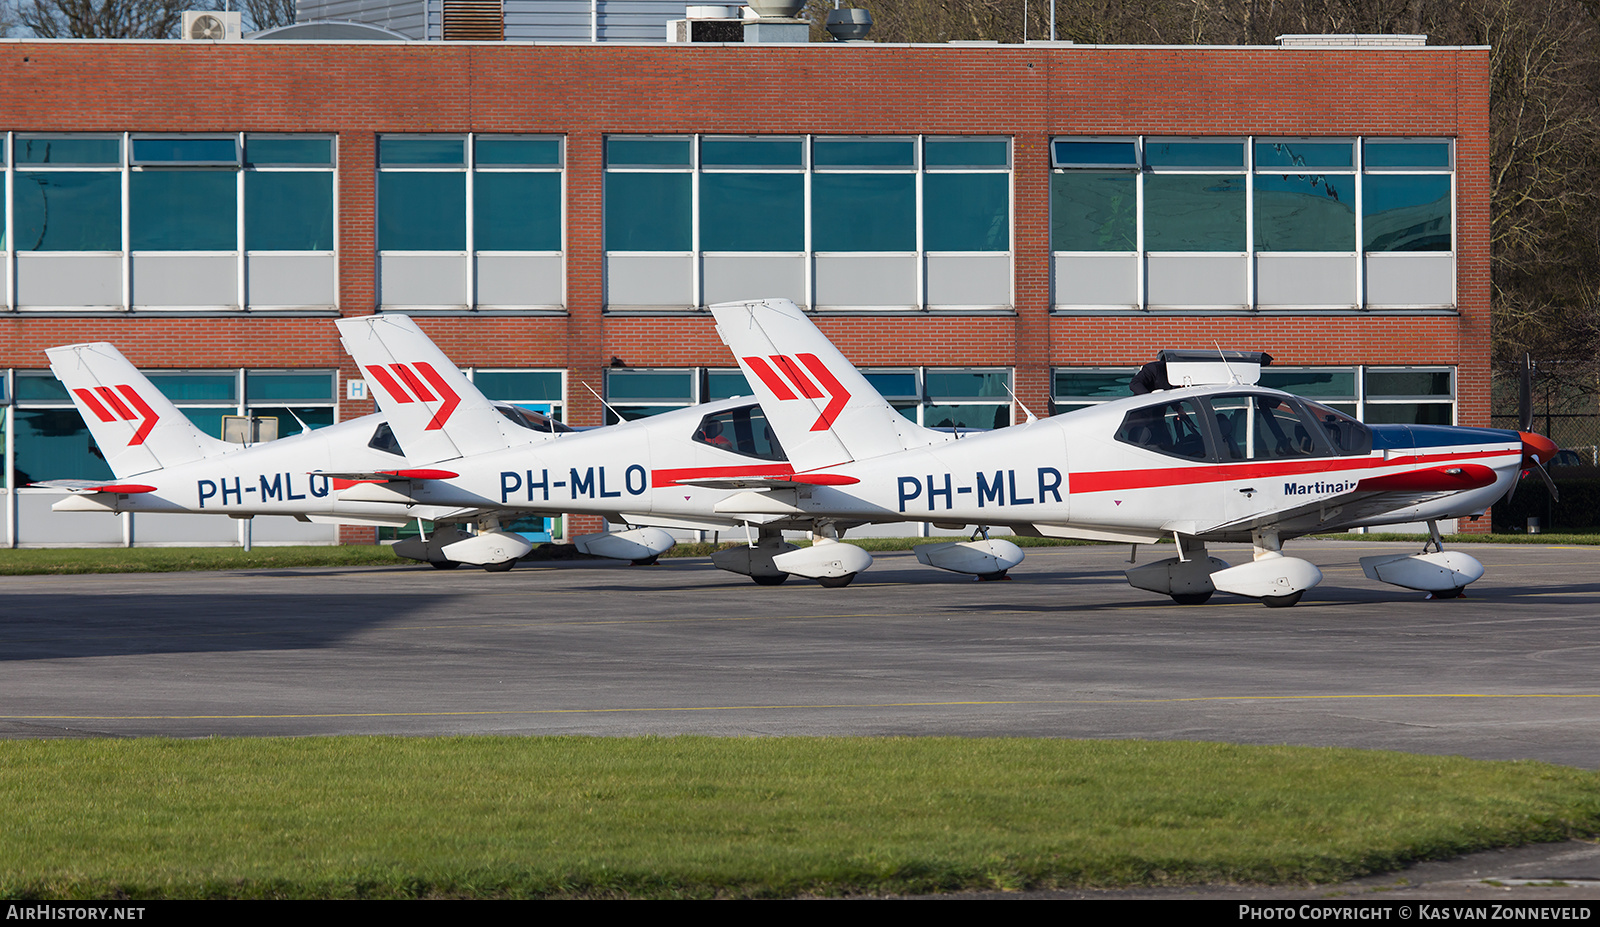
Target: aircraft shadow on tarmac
column 68, row 625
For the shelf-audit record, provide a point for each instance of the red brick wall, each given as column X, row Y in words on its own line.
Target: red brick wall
column 586, row 92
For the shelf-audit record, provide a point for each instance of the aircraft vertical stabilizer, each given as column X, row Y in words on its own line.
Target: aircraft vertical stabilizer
column 136, row 427
column 435, row 411
column 822, row 409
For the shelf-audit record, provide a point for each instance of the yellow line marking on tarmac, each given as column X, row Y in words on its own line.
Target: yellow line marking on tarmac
column 659, row 709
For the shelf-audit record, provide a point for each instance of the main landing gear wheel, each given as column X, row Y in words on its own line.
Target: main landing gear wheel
column 770, row 579
column 1282, row 601
column 647, row 561
column 835, row 582
column 444, row 564
column 1191, row 598
column 996, row 576
column 1448, row 593
column 503, row 566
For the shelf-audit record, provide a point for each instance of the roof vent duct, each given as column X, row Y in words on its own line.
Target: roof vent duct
column 473, row 21
column 849, row 25
column 1352, row 41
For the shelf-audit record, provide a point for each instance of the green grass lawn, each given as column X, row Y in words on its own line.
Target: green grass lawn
column 736, row 817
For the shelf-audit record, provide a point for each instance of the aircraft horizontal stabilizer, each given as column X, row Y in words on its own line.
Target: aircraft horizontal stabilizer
column 793, row 481
column 387, row 476
column 92, row 486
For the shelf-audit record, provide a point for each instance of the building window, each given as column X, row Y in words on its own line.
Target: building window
column 177, row 245
column 51, row 441
column 1252, row 223
column 1409, row 395
column 637, row 393
column 864, row 194
column 752, row 194
column 1407, row 195
column 837, row 222
column 1073, row 388
column 1377, row 395
column 541, row 391
column 470, row 221
column 648, row 191
column 1194, row 195
column 961, row 398
column 1305, row 195
column 288, row 193
column 183, row 193
column 67, row 193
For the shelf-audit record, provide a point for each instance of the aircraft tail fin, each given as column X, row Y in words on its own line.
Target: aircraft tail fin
column 434, row 410
column 136, row 427
column 823, row 410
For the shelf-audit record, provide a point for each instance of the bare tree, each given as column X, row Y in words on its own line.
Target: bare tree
column 264, row 14
column 101, row 19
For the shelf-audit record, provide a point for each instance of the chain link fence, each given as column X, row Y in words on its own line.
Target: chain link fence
column 1566, row 409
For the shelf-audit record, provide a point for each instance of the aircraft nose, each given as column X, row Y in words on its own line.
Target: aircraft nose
column 1536, row 449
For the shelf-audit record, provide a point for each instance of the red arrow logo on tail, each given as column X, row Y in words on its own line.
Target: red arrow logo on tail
column 831, row 389
column 447, row 396
column 113, row 409
column 451, row 400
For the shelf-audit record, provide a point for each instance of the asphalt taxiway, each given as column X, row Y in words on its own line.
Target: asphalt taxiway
column 1065, row 649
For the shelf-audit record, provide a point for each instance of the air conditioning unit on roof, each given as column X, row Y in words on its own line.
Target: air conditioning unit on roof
column 211, row 26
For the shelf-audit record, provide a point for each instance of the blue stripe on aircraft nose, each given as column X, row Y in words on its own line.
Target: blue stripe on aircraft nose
column 1398, row 436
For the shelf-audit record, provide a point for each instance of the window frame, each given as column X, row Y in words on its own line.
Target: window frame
column 810, row 170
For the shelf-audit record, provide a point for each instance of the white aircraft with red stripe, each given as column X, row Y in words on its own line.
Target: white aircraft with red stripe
column 677, row 469
column 161, row 462
column 1219, row 459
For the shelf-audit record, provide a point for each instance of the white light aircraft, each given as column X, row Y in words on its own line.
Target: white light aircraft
column 1224, row 462
column 162, row 463
column 678, row 469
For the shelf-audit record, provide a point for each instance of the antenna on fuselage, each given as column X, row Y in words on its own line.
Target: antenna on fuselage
column 1233, row 378
column 1031, row 417
column 609, row 407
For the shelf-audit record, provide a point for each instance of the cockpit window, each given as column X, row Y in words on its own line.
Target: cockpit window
column 383, row 439
column 533, row 421
column 1349, row 437
column 1167, row 428
column 1264, row 427
column 742, row 431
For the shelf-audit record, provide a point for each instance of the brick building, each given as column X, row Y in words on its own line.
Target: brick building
column 964, row 221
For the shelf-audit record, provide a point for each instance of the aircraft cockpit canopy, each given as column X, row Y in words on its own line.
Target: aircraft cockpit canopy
column 1244, row 426
column 743, row 431
column 533, row 421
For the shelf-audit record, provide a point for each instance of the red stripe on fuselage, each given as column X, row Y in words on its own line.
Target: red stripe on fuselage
column 1112, row 480
column 661, row 479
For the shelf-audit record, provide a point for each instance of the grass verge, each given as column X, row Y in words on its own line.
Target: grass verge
column 37, row 561
column 726, row 817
